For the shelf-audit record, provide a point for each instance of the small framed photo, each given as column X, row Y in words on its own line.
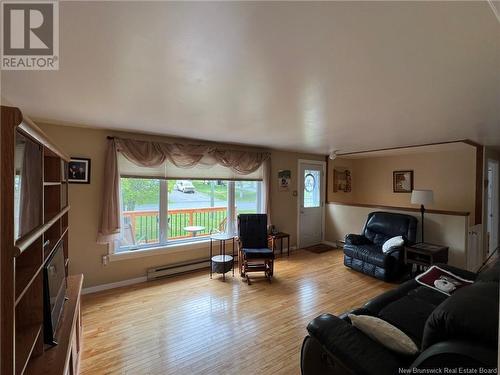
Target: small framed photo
column 284, row 177
column 402, row 181
column 79, row 171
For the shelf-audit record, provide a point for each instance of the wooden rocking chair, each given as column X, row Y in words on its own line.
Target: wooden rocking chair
column 254, row 255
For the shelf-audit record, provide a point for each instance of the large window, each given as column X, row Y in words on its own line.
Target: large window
column 160, row 212
column 196, row 208
column 248, row 197
column 140, row 200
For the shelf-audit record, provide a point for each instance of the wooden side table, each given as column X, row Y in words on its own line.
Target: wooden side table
column 424, row 254
column 280, row 236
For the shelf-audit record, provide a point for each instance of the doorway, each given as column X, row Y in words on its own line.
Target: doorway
column 492, row 218
column 311, row 202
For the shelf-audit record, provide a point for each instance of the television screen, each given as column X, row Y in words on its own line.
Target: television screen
column 55, row 292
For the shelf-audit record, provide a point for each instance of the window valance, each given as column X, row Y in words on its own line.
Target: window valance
column 185, row 161
column 136, row 158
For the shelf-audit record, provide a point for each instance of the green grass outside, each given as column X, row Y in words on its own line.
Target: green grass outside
column 220, row 191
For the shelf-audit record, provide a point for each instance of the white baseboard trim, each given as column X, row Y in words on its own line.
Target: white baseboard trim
column 162, row 272
column 118, row 284
column 137, row 280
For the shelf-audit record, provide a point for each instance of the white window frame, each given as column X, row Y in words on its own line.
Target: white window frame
column 115, row 251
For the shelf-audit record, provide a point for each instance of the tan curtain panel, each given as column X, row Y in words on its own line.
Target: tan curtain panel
column 240, row 161
column 109, row 225
column 267, row 189
column 153, row 154
column 206, row 169
column 156, row 156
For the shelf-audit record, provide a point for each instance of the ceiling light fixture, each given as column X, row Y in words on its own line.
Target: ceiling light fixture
column 333, row 154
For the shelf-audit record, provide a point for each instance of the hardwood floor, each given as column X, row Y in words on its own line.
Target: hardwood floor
column 193, row 325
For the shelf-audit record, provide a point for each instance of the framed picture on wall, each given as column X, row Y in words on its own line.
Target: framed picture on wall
column 79, row 171
column 402, row 181
column 284, row 177
column 342, row 180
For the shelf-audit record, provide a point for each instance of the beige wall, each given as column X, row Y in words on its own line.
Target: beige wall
column 284, row 204
column 85, row 200
column 450, row 174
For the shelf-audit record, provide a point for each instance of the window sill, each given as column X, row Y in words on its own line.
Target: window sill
column 160, row 250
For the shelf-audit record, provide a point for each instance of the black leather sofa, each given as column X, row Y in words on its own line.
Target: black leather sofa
column 364, row 253
column 459, row 331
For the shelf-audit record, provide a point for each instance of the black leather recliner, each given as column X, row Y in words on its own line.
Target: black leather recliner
column 364, row 252
column 460, row 331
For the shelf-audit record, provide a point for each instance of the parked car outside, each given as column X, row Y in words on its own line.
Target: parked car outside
column 185, row 186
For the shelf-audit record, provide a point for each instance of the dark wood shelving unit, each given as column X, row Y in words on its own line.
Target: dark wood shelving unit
column 36, row 197
column 29, row 324
column 51, row 201
column 53, row 361
column 27, row 265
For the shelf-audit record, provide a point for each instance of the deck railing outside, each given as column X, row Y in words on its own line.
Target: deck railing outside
column 144, row 224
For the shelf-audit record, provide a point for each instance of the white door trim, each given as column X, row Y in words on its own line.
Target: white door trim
column 494, row 184
column 323, row 195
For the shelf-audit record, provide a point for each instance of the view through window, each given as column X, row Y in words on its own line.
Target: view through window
column 140, row 200
column 311, row 188
column 158, row 212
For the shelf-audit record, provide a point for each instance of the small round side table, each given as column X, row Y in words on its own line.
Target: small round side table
column 194, row 229
column 221, row 263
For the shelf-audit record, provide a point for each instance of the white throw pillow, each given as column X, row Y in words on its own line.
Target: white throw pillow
column 391, row 242
column 384, row 333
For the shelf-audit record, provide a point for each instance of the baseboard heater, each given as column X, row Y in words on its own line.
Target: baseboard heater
column 176, row 269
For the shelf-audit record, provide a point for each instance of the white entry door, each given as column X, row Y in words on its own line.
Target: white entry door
column 311, row 202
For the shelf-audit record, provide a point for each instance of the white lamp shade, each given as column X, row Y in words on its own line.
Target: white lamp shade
column 423, row 197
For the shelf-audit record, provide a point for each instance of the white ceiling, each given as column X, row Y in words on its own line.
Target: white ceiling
column 443, row 147
column 304, row 76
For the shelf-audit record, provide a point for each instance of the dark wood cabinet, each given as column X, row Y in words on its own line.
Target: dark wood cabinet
column 425, row 255
column 34, row 219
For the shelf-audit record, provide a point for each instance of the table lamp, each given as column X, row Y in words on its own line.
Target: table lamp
column 422, row 197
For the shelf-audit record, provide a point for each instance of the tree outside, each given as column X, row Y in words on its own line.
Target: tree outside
column 139, row 191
